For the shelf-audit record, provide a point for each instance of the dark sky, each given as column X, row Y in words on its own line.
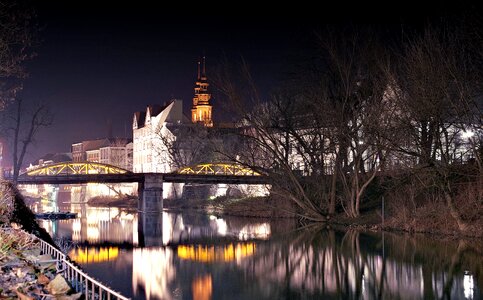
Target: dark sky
column 100, row 64
column 96, row 65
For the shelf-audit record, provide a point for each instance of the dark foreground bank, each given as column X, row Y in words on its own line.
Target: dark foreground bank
column 24, row 272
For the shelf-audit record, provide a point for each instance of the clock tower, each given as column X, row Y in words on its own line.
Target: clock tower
column 201, row 111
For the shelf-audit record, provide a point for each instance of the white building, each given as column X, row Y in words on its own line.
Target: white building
column 150, row 132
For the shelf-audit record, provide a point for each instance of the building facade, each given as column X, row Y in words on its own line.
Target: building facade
column 151, row 137
column 111, row 151
column 150, row 134
column 120, row 156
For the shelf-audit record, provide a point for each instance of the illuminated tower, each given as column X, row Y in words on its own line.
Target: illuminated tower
column 201, row 111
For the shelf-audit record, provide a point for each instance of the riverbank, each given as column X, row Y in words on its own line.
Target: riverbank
column 431, row 217
column 426, row 219
column 114, row 201
column 255, row 207
column 24, row 272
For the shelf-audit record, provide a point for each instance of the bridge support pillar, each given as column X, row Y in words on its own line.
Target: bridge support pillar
column 150, row 193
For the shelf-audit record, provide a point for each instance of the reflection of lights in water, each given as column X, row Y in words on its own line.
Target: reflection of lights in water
column 173, row 225
column 257, row 231
column 202, row 287
column 216, row 253
column 135, row 236
column 221, row 226
column 76, row 225
column 468, row 285
column 76, row 230
column 93, row 255
column 92, row 233
column 106, row 224
column 153, row 270
column 99, row 215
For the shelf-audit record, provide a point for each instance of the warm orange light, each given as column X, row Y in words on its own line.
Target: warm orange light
column 202, row 288
column 93, row 255
column 214, row 254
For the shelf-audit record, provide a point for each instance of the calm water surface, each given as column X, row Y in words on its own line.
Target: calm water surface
column 175, row 255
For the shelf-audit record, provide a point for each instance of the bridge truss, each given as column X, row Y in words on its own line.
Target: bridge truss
column 218, row 169
column 75, row 168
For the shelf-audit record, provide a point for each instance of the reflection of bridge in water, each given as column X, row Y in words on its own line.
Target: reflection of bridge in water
column 114, row 228
column 150, row 185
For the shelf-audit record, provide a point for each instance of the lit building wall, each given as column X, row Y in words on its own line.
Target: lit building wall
column 119, row 156
column 93, row 155
column 77, row 153
column 150, row 151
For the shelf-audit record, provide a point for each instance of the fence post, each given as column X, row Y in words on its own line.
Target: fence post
column 382, row 213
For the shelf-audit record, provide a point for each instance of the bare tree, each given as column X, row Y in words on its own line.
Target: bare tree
column 273, row 134
column 183, row 145
column 353, row 95
column 16, row 40
column 439, row 85
column 319, row 137
column 25, row 126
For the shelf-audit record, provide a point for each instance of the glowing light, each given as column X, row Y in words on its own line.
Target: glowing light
column 93, row 255
column 202, row 288
column 68, row 168
column 153, row 271
column 219, row 169
column 221, row 227
column 255, row 231
column 226, row 253
column 467, row 134
column 468, row 286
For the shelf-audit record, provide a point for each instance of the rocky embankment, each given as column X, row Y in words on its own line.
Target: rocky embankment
column 25, row 273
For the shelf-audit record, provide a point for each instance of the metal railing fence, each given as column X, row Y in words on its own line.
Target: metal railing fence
column 80, row 281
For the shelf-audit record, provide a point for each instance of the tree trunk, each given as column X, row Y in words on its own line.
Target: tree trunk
column 462, row 225
column 333, row 193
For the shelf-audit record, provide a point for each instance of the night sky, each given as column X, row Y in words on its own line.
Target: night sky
column 100, row 64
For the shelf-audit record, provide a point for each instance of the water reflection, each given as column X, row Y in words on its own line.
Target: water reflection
column 195, row 256
column 87, row 255
column 97, row 226
column 152, row 273
column 202, row 287
column 468, row 286
column 180, row 229
column 224, row 253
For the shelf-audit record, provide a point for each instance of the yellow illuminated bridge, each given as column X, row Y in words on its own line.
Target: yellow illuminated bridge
column 218, row 169
column 85, row 172
column 75, row 168
column 79, row 168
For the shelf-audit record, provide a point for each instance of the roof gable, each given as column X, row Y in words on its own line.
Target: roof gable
column 138, row 119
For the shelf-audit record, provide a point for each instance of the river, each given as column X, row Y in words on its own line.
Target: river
column 187, row 255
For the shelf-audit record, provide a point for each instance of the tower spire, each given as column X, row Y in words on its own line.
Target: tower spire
column 201, row 110
column 204, row 66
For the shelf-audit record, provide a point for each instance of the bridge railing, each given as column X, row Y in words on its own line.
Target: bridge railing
column 80, row 281
column 230, row 169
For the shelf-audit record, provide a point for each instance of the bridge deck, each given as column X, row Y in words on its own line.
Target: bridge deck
column 139, row 177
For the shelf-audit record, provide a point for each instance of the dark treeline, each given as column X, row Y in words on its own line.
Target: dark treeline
column 370, row 113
